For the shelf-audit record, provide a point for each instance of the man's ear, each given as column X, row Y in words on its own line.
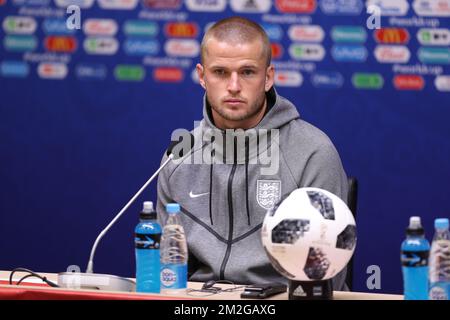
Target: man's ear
column 201, row 75
column 270, row 77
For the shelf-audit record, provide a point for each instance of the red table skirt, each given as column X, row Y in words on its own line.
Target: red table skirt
column 45, row 292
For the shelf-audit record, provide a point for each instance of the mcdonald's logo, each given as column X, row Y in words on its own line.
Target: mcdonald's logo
column 181, row 30
column 277, row 50
column 391, row 35
column 60, row 44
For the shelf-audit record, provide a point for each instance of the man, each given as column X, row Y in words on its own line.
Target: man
column 224, row 203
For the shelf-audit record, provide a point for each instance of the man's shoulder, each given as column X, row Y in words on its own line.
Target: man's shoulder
column 301, row 132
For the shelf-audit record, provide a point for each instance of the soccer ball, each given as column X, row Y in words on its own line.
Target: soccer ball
column 310, row 235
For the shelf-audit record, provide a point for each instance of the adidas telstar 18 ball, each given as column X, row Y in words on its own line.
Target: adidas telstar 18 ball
column 310, row 235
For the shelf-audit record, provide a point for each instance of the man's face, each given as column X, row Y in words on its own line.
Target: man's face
column 235, row 77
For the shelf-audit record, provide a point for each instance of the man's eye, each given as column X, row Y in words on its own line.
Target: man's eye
column 248, row 72
column 219, row 72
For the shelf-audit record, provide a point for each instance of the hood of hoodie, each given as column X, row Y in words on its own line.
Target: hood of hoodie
column 280, row 112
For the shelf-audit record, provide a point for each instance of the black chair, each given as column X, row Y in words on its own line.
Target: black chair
column 351, row 203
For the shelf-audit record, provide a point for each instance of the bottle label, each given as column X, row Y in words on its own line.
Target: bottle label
column 174, row 276
column 147, row 241
column 439, row 291
column 414, row 258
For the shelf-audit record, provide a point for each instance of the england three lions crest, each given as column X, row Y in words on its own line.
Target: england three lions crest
column 268, row 193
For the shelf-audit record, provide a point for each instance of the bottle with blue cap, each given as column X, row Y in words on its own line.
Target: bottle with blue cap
column 147, row 243
column 439, row 276
column 174, row 253
column 414, row 257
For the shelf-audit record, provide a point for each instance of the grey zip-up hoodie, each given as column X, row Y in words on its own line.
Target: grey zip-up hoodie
column 223, row 205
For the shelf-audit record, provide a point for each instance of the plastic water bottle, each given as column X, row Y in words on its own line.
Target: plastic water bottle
column 147, row 242
column 414, row 257
column 174, row 254
column 440, row 261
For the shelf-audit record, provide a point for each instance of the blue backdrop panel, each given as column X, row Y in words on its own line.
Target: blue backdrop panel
column 86, row 114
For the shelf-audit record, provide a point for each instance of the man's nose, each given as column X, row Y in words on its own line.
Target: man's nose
column 233, row 83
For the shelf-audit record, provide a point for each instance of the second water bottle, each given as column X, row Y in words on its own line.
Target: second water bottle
column 174, row 253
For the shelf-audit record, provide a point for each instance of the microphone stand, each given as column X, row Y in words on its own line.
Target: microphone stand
column 90, row 280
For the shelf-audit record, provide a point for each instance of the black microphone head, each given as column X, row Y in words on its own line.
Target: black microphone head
column 180, row 147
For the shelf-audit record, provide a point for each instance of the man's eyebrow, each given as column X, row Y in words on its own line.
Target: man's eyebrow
column 246, row 66
column 249, row 66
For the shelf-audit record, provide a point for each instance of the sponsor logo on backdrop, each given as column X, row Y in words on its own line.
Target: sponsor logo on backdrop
column 60, row 44
column 161, row 4
column 392, row 54
column 14, row 69
column 391, row 35
column 168, row 74
column 181, row 30
column 307, row 52
column 341, row 7
column 433, row 37
column 124, row 72
column 52, row 70
column 349, row 53
column 140, row 28
column 327, row 79
column 274, row 31
column 19, row 25
column 20, row 43
column 100, row 27
column 296, row 6
column 372, row 81
column 309, row 33
column 432, row 8
column 251, row 6
column 83, row 4
column 100, row 45
column 56, row 26
column 277, row 50
column 206, row 5
column 408, row 82
column 118, row 4
column 30, row 3
column 182, row 48
column 141, row 47
column 90, row 71
column 434, row 55
column 442, row 83
column 350, row 34
column 390, row 7
column 288, row 78
column 2, row 2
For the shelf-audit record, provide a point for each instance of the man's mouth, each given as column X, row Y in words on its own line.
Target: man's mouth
column 234, row 102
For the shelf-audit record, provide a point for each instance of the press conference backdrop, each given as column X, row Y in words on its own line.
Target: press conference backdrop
column 86, row 114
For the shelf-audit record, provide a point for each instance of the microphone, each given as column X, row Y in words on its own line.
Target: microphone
column 89, row 280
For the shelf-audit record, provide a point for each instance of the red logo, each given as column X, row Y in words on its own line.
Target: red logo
column 2, row 2
column 391, row 35
column 277, row 50
column 296, row 6
column 168, row 74
column 181, row 30
column 60, row 44
column 408, row 82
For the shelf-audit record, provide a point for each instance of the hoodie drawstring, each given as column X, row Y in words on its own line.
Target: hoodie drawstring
column 213, row 153
column 246, row 177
